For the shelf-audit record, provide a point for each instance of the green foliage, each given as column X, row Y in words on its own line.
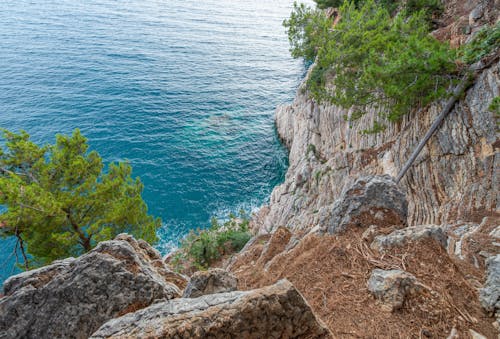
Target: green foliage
column 495, row 109
column 59, row 201
column 201, row 248
column 307, row 30
column 431, row 7
column 484, row 43
column 495, row 106
column 376, row 128
column 328, row 3
column 311, row 149
column 370, row 59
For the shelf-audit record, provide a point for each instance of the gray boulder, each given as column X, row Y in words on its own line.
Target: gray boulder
column 408, row 234
column 370, row 200
column 210, row 282
column 489, row 295
column 277, row 311
column 392, row 287
column 74, row 297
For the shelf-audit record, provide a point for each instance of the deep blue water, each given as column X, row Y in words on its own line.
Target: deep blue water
column 185, row 90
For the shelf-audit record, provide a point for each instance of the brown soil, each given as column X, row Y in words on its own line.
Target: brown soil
column 331, row 272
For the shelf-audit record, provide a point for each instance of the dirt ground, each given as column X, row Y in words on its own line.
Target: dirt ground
column 332, row 272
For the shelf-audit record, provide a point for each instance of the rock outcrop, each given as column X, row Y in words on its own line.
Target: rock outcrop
column 410, row 234
column 277, row 311
column 370, row 200
column 392, row 287
column 490, row 293
column 210, row 282
column 72, row 298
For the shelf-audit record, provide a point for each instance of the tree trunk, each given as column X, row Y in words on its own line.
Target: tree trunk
column 84, row 240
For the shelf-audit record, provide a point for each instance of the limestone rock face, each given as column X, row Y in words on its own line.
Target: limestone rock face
column 73, row 297
column 210, row 282
column 413, row 233
column 490, row 294
column 370, row 200
column 454, row 177
column 277, row 311
column 392, row 287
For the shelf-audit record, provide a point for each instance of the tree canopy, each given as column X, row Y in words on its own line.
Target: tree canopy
column 59, row 202
column 371, row 58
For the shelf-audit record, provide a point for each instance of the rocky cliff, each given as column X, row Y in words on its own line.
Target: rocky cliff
column 455, row 177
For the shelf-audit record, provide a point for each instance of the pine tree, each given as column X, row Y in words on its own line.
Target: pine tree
column 372, row 58
column 59, row 201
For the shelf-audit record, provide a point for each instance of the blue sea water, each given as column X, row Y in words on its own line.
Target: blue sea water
column 184, row 90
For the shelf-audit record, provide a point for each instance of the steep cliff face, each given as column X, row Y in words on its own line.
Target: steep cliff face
column 455, row 177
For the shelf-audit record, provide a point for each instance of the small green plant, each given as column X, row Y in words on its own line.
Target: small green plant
column 202, row 247
column 376, row 128
column 318, row 176
column 311, row 149
column 484, row 43
column 432, row 8
column 495, row 109
column 495, row 105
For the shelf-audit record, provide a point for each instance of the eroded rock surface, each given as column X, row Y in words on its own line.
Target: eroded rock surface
column 73, row 297
column 277, row 311
column 409, row 234
column 454, row 177
column 210, row 282
column 490, row 294
column 392, row 287
column 370, row 200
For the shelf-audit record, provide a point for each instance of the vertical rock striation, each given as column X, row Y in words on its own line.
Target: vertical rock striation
column 456, row 176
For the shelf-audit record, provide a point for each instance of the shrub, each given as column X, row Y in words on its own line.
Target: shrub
column 201, row 248
column 486, row 41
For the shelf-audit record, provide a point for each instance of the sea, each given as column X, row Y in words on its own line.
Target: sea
column 183, row 90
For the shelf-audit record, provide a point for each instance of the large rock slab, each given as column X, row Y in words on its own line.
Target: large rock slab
column 277, row 311
column 369, row 200
column 213, row 281
column 72, row 298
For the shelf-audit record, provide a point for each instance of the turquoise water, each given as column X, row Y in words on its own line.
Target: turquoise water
column 185, row 90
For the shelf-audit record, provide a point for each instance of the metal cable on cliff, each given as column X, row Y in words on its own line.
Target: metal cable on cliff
column 467, row 80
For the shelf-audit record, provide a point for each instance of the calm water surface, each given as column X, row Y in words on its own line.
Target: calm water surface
column 185, row 90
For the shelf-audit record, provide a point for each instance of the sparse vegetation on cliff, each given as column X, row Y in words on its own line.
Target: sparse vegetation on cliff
column 59, row 201
column 203, row 247
column 484, row 43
